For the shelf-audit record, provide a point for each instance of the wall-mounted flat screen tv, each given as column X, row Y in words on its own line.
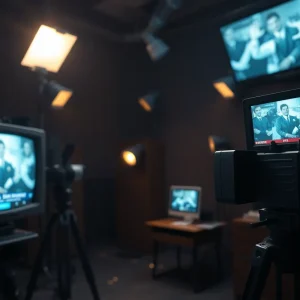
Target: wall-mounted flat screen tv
column 265, row 43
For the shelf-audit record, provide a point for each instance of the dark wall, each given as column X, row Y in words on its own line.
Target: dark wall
column 194, row 110
column 103, row 78
column 139, row 76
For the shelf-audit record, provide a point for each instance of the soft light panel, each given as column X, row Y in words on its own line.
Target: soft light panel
column 61, row 99
column 224, row 89
column 145, row 105
column 48, row 49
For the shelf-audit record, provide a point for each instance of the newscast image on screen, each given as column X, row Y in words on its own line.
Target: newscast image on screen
column 184, row 200
column 276, row 121
column 17, row 171
column 265, row 43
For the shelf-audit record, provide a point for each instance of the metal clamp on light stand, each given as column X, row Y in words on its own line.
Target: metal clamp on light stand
column 51, row 92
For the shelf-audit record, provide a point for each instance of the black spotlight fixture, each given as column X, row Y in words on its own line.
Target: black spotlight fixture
column 155, row 47
column 226, row 87
column 56, row 94
column 148, row 101
column 217, row 143
column 174, row 4
column 133, row 155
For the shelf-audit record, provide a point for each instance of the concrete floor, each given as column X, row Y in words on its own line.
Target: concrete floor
column 130, row 278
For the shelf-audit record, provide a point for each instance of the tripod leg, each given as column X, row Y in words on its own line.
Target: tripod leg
column 84, row 259
column 39, row 259
column 64, row 257
column 260, row 267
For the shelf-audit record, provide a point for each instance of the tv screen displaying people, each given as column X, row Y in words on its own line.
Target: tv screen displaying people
column 265, row 43
column 17, row 171
column 184, row 200
column 276, row 121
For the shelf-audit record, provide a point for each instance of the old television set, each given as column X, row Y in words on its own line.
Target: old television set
column 22, row 172
column 185, row 202
column 265, row 43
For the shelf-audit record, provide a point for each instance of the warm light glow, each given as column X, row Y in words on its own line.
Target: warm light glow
column 145, row 105
column 129, row 158
column 223, row 89
column 211, row 144
column 61, row 99
column 48, row 49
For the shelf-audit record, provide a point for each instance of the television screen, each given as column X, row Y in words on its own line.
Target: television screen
column 17, row 171
column 276, row 121
column 265, row 43
column 184, row 200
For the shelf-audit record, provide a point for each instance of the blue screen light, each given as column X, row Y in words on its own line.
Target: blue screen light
column 4, row 206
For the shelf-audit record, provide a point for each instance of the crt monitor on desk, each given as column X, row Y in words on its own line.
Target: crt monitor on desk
column 185, row 202
column 22, row 171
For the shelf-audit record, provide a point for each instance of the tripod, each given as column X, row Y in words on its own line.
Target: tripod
column 66, row 220
column 281, row 248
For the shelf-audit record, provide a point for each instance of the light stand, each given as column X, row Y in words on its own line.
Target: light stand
column 47, row 52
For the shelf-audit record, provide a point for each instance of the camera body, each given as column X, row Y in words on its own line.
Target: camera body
column 271, row 179
column 268, row 171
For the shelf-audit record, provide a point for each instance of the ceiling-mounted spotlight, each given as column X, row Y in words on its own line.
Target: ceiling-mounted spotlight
column 56, row 94
column 155, row 47
column 49, row 49
column 161, row 15
column 226, row 87
column 217, row 143
column 148, row 101
column 174, row 4
column 132, row 156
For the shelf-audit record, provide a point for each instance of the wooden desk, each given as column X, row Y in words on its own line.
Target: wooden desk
column 192, row 235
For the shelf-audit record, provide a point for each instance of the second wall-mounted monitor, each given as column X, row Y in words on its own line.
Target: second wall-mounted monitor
column 264, row 43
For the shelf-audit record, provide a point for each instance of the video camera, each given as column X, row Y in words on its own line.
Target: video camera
column 268, row 172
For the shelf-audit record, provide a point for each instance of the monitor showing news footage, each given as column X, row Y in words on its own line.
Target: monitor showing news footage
column 17, row 171
column 265, row 43
column 276, row 121
column 184, row 200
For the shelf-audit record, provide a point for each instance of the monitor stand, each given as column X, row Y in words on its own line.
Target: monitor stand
column 9, row 234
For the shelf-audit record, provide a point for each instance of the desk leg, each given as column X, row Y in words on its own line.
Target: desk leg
column 178, row 257
column 155, row 257
column 195, row 280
